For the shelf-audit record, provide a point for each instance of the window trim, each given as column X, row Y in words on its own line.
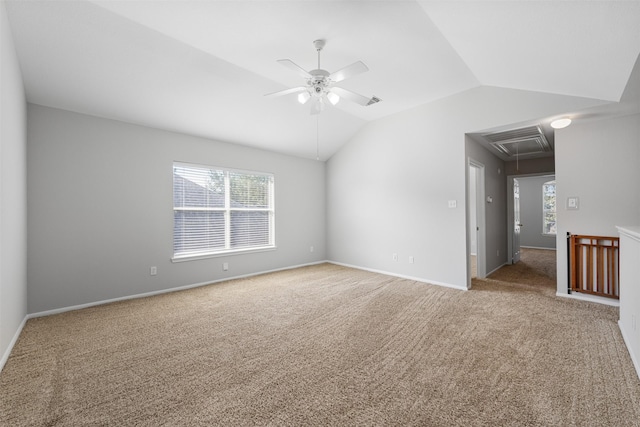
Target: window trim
column 195, row 257
column 204, row 254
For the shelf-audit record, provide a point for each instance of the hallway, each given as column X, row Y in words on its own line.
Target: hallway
column 536, row 267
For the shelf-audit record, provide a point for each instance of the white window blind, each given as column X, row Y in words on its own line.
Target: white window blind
column 217, row 211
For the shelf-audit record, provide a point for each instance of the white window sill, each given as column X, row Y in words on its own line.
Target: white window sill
column 195, row 257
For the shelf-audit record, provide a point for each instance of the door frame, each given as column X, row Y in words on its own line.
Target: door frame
column 510, row 222
column 511, row 250
column 481, row 263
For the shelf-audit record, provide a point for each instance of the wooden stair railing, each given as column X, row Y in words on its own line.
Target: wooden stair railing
column 594, row 265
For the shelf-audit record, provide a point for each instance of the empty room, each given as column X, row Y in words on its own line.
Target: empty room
column 319, row 213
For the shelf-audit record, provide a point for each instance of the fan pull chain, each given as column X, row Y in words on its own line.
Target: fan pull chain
column 318, row 137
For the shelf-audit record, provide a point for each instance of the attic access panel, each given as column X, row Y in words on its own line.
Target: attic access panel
column 521, row 142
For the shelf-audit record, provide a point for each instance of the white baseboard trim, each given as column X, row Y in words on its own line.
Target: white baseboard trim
column 537, row 247
column 7, row 352
column 402, row 276
column 590, row 298
column 163, row 291
column 627, row 342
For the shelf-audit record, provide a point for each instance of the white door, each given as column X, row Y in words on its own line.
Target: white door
column 515, row 251
column 477, row 235
column 473, row 203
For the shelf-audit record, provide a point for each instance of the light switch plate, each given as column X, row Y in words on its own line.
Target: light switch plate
column 573, row 203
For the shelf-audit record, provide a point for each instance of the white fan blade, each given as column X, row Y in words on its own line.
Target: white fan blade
column 351, row 96
column 286, row 91
column 349, row 71
column 317, row 107
column 295, row 67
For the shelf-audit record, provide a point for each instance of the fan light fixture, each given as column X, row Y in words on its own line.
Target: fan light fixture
column 333, row 98
column 304, row 97
column 561, row 123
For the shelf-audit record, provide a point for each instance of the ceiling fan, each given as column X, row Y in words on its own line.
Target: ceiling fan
column 320, row 84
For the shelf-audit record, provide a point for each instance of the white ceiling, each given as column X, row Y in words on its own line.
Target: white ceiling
column 202, row 67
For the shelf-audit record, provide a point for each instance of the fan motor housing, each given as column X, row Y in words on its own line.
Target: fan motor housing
column 319, row 81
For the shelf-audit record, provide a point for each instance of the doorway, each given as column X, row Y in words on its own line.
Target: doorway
column 531, row 207
column 537, row 267
column 476, row 214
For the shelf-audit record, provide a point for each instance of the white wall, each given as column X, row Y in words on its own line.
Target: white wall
column 598, row 162
column 531, row 215
column 630, row 291
column 388, row 188
column 100, row 209
column 13, row 234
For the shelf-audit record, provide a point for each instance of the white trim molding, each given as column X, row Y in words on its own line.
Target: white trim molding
column 163, row 291
column 6, row 354
column 590, row 298
column 627, row 342
column 401, row 276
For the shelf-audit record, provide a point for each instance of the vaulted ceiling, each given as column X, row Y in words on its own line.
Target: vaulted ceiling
column 202, row 67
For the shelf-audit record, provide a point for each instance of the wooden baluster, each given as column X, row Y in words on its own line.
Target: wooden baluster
column 590, row 266
column 599, row 269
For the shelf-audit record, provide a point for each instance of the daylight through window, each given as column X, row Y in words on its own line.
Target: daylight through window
column 217, row 211
column 549, row 207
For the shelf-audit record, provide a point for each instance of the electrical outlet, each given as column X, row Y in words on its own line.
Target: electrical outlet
column 452, row 203
column 310, row 248
column 153, row 270
column 498, row 252
column 225, row 266
column 395, row 257
column 633, row 322
column 410, row 260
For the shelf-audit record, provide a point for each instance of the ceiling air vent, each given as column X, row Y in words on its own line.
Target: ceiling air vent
column 373, row 100
column 519, row 142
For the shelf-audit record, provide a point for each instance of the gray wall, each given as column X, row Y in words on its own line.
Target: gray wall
column 530, row 166
column 388, row 188
column 13, row 233
column 605, row 180
column 100, row 209
column 496, row 211
column 531, row 213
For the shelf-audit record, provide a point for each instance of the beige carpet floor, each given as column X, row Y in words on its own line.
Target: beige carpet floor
column 325, row 345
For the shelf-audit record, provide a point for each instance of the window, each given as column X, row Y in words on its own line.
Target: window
column 549, row 208
column 217, row 211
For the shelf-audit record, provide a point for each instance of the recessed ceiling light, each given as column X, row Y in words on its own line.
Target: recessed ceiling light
column 561, row 123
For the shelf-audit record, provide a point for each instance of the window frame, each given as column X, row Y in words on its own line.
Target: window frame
column 545, row 210
column 227, row 210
